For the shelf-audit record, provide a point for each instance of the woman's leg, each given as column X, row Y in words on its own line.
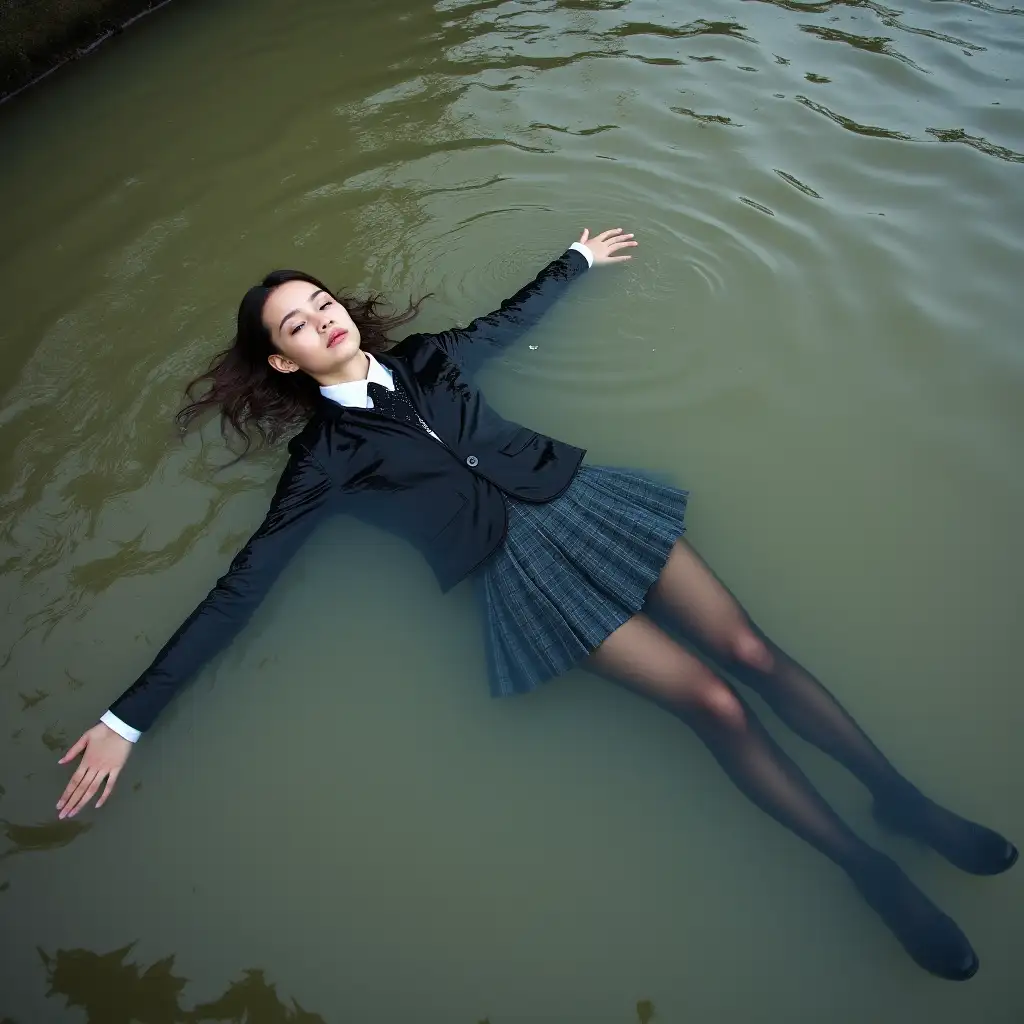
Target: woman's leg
column 650, row 663
column 720, row 627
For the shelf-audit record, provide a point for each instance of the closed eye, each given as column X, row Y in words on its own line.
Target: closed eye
column 296, row 327
column 329, row 302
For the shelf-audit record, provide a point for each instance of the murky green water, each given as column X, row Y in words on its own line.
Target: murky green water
column 820, row 337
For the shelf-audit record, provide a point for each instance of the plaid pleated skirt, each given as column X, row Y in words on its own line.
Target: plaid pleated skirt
column 572, row 571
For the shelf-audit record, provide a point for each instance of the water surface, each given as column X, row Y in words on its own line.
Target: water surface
column 819, row 337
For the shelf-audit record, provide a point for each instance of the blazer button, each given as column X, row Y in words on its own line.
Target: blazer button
column 472, row 461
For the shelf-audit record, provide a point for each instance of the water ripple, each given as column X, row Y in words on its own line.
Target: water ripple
column 663, row 61
column 813, row 318
column 981, row 5
column 700, row 27
column 756, row 205
column 706, row 119
column 850, row 125
column 797, row 184
column 597, row 130
column 982, row 145
column 870, row 44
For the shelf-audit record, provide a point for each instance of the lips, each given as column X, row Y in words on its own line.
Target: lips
column 335, row 336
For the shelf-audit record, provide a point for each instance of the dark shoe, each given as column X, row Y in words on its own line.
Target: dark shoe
column 931, row 938
column 971, row 847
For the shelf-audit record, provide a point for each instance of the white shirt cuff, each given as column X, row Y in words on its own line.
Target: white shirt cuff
column 580, row 247
column 111, row 721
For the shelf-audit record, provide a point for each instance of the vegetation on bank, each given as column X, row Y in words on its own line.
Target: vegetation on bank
column 37, row 35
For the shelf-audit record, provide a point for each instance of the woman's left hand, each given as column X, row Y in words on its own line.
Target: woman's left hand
column 604, row 244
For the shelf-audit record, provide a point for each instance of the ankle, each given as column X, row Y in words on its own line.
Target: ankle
column 867, row 863
column 898, row 794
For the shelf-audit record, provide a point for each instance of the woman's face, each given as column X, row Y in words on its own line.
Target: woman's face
column 312, row 331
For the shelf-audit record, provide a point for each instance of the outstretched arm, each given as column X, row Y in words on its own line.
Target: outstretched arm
column 471, row 345
column 302, row 496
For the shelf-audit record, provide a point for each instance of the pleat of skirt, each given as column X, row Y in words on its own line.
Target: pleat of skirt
column 573, row 570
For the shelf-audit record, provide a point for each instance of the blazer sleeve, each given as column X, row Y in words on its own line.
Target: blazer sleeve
column 472, row 345
column 302, row 496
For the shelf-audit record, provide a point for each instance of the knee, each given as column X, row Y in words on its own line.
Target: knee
column 748, row 649
column 719, row 706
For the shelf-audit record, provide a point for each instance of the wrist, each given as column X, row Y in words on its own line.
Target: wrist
column 585, row 251
column 123, row 729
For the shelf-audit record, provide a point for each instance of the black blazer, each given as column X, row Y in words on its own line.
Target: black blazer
column 449, row 499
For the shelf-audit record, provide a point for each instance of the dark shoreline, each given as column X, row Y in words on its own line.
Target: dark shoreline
column 35, row 44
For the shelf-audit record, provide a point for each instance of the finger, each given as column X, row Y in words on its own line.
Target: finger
column 80, row 797
column 66, row 795
column 617, row 259
column 612, row 246
column 78, row 794
column 74, row 786
column 80, row 745
column 89, row 793
column 605, row 235
column 584, row 236
column 76, row 780
column 109, row 788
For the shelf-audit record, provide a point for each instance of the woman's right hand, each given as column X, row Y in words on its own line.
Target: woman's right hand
column 105, row 755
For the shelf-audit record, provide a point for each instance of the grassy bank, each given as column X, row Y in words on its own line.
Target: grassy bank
column 36, row 35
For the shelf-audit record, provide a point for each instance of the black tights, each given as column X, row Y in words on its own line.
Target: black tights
column 647, row 660
column 650, row 662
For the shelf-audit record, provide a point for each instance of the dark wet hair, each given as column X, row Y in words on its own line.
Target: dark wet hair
column 253, row 398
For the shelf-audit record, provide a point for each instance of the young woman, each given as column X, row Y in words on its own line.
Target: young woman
column 566, row 557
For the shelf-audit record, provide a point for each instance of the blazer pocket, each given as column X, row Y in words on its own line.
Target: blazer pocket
column 520, row 439
column 437, row 516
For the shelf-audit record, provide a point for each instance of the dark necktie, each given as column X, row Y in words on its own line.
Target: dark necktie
column 394, row 404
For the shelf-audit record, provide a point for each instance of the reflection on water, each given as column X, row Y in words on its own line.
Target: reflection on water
column 110, row 990
column 797, row 183
column 644, row 1011
column 253, row 999
column 849, row 124
column 55, row 739
column 31, row 700
column 35, row 838
column 700, row 27
column 819, row 337
column 873, row 44
column 977, row 142
column 706, row 118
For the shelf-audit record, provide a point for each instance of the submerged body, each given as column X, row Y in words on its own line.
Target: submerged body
column 567, row 556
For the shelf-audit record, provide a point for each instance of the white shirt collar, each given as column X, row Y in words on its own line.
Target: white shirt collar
column 353, row 392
